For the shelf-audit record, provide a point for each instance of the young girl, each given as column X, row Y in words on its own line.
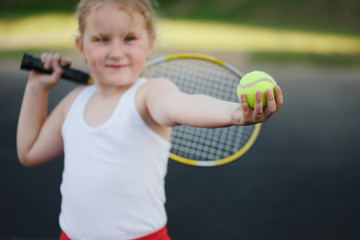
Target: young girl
column 115, row 134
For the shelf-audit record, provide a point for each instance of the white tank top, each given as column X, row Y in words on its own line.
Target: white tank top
column 113, row 179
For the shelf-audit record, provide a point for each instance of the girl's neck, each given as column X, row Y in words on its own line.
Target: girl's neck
column 108, row 91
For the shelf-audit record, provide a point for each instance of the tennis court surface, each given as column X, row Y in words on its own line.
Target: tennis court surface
column 299, row 181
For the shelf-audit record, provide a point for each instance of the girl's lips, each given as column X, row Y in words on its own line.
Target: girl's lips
column 116, row 66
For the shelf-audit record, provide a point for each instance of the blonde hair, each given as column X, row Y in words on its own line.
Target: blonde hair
column 144, row 7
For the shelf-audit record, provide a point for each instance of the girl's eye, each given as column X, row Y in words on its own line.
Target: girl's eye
column 102, row 40
column 130, row 38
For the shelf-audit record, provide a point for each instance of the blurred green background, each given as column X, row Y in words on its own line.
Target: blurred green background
column 320, row 31
column 333, row 15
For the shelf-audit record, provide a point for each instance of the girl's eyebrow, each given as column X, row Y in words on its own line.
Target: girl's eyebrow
column 132, row 33
column 100, row 34
column 123, row 34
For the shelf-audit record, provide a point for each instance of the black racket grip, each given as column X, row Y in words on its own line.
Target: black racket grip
column 30, row 63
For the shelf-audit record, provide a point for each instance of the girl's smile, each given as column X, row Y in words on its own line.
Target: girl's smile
column 117, row 66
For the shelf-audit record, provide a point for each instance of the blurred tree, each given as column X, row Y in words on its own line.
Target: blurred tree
column 339, row 14
column 342, row 15
column 36, row 6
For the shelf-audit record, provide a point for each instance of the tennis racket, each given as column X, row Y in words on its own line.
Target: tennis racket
column 193, row 74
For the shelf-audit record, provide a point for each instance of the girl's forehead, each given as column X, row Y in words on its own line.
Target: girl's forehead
column 107, row 18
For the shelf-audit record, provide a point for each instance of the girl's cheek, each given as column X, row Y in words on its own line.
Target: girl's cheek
column 96, row 57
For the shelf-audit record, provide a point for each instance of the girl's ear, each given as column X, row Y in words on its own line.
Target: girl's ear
column 80, row 46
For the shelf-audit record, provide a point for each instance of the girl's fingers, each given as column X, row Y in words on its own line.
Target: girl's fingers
column 271, row 103
column 43, row 57
column 54, row 61
column 48, row 59
column 65, row 63
column 258, row 108
column 278, row 97
column 45, row 60
column 56, row 58
column 245, row 107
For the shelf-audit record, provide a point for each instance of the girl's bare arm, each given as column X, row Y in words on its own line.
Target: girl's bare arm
column 169, row 106
column 39, row 136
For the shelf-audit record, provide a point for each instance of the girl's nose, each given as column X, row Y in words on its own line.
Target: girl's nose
column 117, row 49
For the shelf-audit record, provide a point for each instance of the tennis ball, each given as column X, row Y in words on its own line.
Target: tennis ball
column 253, row 82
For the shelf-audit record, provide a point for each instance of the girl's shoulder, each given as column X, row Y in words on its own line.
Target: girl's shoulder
column 150, row 102
column 155, row 90
column 68, row 100
column 156, row 85
column 153, row 98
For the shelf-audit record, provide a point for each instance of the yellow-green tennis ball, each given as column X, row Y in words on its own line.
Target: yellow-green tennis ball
column 253, row 82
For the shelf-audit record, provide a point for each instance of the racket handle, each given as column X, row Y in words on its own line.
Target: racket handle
column 30, row 63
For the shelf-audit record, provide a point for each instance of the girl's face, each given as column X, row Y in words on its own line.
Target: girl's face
column 115, row 45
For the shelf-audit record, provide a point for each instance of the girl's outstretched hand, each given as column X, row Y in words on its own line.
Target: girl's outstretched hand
column 50, row 60
column 243, row 115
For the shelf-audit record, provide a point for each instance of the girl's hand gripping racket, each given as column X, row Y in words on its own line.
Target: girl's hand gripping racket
column 193, row 74
column 30, row 63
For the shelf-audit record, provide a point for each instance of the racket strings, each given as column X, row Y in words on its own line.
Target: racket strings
column 196, row 76
column 206, row 144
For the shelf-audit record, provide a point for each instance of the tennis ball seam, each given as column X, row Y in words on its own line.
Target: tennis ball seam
column 256, row 82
